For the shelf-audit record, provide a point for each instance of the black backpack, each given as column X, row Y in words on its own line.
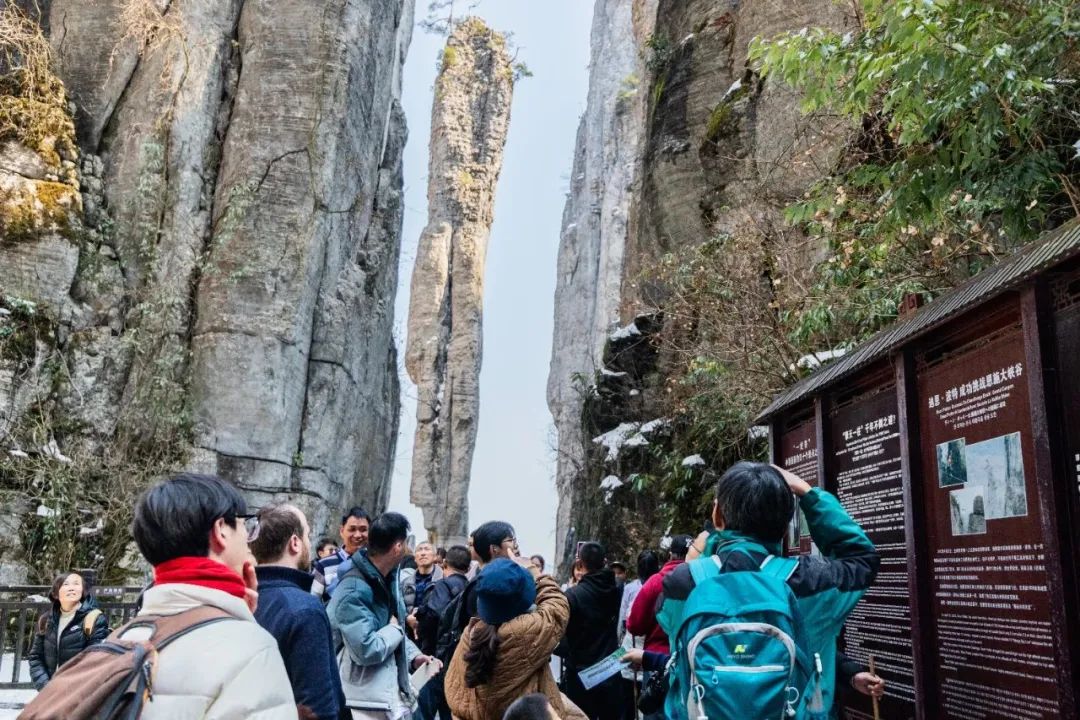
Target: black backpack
column 452, row 624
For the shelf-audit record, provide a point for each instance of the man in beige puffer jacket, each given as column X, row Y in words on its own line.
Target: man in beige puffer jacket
column 192, row 529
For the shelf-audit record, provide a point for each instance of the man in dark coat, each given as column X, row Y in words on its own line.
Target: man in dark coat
column 289, row 612
column 592, row 634
column 425, row 621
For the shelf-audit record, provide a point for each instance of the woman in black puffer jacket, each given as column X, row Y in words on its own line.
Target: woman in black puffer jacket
column 73, row 624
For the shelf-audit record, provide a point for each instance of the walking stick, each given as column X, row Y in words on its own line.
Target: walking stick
column 877, row 710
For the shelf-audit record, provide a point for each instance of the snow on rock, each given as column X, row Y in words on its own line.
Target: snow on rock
column 735, row 87
column 758, row 432
column 626, row 332
column 614, row 440
column 611, row 482
column 51, row 449
column 611, row 373
column 45, row 511
column 654, row 425
column 18, row 454
column 693, row 461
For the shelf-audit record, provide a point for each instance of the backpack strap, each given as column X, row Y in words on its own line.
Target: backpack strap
column 166, row 628
column 88, row 621
column 704, row 568
column 779, row 567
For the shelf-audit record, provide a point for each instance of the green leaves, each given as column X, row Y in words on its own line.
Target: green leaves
column 968, row 110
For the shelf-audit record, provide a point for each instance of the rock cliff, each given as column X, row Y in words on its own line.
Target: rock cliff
column 596, row 227
column 681, row 142
column 470, row 120
column 216, row 288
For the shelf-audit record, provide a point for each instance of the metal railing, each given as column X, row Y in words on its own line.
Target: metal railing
column 19, row 622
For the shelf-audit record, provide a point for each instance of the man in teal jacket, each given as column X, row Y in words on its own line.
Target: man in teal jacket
column 367, row 615
column 752, row 510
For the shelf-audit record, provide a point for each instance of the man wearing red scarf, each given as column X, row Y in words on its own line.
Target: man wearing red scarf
column 193, row 530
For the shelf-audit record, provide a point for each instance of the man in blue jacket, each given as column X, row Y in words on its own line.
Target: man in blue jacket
column 367, row 612
column 752, row 510
column 288, row 611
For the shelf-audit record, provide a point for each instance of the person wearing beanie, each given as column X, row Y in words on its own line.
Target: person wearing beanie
column 505, row 652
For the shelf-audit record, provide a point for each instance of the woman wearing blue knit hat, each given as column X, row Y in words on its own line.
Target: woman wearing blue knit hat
column 505, row 653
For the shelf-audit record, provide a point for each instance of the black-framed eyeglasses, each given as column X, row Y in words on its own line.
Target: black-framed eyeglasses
column 251, row 525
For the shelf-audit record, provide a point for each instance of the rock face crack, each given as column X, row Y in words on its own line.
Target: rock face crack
column 226, row 294
column 470, row 119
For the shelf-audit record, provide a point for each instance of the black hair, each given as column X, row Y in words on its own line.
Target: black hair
column 458, row 557
column 480, row 658
column 387, row 529
column 756, row 501
column 355, row 512
column 488, row 534
column 648, row 564
column 440, row 552
column 323, row 542
column 541, row 563
column 277, row 525
column 54, row 596
column 680, row 545
column 530, row 707
column 592, row 556
column 174, row 518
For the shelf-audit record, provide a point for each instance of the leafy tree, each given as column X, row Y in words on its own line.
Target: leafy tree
column 966, row 115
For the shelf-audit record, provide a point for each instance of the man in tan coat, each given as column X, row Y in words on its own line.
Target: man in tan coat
column 481, row 686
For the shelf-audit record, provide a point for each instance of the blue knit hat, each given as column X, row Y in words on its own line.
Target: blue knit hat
column 504, row 590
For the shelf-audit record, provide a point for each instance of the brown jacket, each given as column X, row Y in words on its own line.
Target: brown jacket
column 523, row 664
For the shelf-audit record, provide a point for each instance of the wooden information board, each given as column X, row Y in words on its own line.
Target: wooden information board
column 798, row 453
column 993, row 646
column 865, row 462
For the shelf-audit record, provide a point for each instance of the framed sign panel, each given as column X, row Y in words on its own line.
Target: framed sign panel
column 993, row 647
column 797, row 452
column 865, row 463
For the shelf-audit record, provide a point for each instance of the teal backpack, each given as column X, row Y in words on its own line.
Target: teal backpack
column 738, row 651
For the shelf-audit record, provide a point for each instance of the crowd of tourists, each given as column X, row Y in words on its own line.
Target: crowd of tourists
column 241, row 621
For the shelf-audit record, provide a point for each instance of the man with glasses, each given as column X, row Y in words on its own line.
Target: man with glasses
column 194, row 530
column 367, row 613
column 281, row 542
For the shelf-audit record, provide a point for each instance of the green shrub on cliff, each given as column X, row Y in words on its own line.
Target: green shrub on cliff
column 966, row 145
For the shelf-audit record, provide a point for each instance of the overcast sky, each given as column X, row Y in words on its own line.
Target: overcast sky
column 513, row 469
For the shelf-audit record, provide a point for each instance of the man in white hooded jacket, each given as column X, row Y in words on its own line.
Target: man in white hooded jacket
column 194, row 530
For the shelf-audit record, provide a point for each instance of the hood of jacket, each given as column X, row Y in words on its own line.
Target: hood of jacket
column 278, row 576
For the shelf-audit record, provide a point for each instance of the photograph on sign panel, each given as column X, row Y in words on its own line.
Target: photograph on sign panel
column 951, row 464
column 967, row 507
column 998, row 465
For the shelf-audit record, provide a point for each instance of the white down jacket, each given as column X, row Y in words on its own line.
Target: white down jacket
column 229, row 670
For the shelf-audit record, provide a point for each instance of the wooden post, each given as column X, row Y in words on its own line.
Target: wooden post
column 826, row 481
column 1053, row 488
column 919, row 568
